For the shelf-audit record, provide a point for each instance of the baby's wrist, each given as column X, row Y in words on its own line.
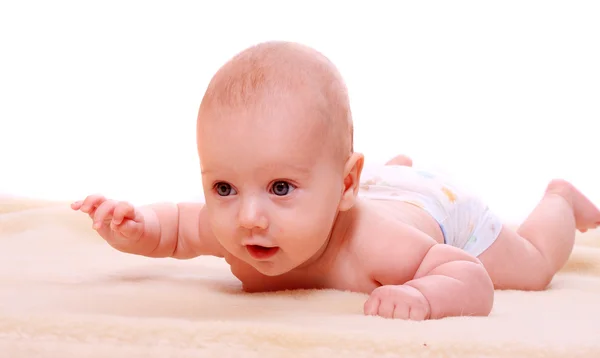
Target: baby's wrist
column 415, row 291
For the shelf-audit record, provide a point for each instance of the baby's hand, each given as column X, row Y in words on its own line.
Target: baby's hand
column 397, row 301
column 118, row 222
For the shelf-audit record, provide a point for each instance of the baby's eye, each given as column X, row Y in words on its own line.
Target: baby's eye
column 281, row 188
column 224, row 189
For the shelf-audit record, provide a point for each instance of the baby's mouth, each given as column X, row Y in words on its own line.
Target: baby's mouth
column 261, row 252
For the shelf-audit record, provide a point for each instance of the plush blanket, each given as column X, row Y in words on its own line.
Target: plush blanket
column 65, row 293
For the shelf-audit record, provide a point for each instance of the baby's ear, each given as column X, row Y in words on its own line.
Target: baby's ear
column 352, row 171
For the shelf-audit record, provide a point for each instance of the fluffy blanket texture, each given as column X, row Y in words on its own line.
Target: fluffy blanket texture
column 65, row 293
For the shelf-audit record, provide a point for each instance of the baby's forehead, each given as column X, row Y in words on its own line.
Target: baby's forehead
column 278, row 104
column 259, row 153
column 280, row 127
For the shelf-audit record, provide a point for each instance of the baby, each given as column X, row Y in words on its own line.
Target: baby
column 286, row 207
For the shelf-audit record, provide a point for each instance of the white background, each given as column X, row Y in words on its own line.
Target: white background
column 102, row 96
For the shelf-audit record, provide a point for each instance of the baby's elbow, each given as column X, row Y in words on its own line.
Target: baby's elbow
column 477, row 285
column 487, row 305
column 483, row 288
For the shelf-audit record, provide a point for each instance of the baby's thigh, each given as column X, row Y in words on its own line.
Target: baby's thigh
column 514, row 263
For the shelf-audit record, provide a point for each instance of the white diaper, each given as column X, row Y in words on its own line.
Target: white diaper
column 466, row 222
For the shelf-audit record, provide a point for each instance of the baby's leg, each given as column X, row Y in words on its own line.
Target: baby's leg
column 529, row 258
column 400, row 160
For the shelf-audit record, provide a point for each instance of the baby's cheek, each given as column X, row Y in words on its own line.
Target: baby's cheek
column 220, row 224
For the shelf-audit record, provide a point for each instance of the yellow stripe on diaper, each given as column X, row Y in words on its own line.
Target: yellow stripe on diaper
column 451, row 196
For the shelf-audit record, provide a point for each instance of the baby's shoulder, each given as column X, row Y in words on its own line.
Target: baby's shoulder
column 382, row 228
column 388, row 246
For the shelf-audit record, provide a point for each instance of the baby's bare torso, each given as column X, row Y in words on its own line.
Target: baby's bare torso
column 348, row 263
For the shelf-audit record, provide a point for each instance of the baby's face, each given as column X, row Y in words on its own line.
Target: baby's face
column 271, row 189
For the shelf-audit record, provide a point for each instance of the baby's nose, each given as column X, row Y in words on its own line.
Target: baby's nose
column 251, row 215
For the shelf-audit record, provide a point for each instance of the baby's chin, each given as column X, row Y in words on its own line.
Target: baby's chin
column 273, row 268
column 270, row 268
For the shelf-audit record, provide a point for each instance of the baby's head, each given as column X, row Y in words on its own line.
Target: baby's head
column 275, row 145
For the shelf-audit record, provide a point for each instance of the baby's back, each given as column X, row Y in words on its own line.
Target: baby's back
column 462, row 218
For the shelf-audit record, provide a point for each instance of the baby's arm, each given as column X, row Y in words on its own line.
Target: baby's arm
column 179, row 230
column 158, row 230
column 446, row 282
column 454, row 283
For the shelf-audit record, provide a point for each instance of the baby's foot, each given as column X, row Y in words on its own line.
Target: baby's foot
column 402, row 160
column 587, row 215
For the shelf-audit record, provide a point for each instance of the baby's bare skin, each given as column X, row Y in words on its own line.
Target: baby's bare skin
column 281, row 183
column 374, row 246
column 353, row 251
column 382, row 248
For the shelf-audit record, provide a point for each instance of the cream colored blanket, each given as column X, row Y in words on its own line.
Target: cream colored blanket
column 65, row 293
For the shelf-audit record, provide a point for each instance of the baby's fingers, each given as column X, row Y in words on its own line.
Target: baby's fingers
column 129, row 229
column 122, row 211
column 104, row 213
column 371, row 306
column 90, row 203
column 76, row 205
